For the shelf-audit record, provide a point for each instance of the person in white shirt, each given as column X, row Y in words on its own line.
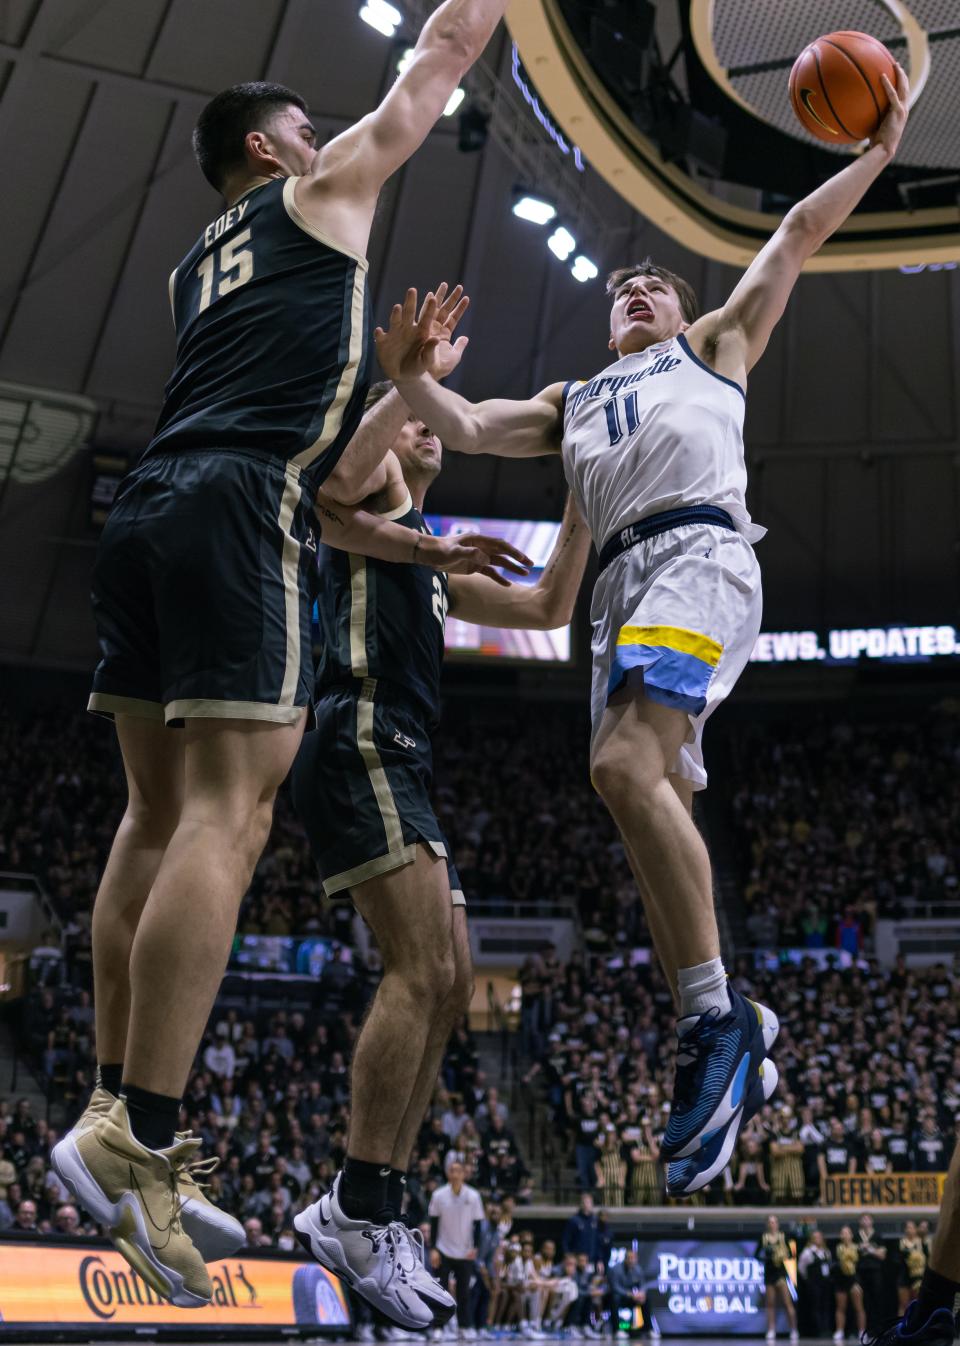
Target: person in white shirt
column 219, row 1058
column 456, row 1214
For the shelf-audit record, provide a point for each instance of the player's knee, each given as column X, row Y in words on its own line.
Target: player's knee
column 618, row 774
column 428, row 973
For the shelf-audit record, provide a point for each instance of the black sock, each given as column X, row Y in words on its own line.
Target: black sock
column 110, row 1078
column 363, row 1189
column 936, row 1292
column 396, row 1190
column 153, row 1117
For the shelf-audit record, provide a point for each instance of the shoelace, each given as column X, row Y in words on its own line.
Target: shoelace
column 691, row 1049
column 415, row 1238
column 192, row 1167
column 173, row 1225
column 400, row 1257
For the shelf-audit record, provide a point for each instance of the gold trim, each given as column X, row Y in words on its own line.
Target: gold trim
column 290, row 567
column 171, row 283
column 358, row 615
column 457, row 897
column 370, row 869
column 104, row 703
column 375, row 769
column 200, row 708
column 301, row 221
column 400, row 510
column 632, row 166
column 333, row 420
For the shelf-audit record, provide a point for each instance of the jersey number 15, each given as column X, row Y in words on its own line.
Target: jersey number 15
column 232, row 257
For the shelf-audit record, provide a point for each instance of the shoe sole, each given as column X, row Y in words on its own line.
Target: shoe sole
column 768, row 1077
column 124, row 1221
column 312, row 1243
column 769, row 1029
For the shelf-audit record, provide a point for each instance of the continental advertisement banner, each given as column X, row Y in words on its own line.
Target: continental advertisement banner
column 66, row 1286
column 882, row 1189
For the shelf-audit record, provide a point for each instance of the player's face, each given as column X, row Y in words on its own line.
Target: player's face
column 419, row 451
column 645, row 310
column 291, row 140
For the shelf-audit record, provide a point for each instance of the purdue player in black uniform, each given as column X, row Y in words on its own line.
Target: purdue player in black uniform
column 201, row 597
column 361, row 785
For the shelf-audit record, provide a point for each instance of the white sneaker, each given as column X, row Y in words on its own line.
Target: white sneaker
column 427, row 1286
column 468, row 1333
column 623, row 1336
column 771, row 1335
column 376, row 1261
column 838, row 1336
column 365, row 1332
column 794, row 1337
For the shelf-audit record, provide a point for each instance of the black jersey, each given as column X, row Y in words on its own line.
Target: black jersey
column 273, row 335
column 382, row 620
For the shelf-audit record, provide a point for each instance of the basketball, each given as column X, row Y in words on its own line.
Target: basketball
column 835, row 86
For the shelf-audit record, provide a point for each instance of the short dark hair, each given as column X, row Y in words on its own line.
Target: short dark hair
column 685, row 291
column 222, row 126
column 377, row 392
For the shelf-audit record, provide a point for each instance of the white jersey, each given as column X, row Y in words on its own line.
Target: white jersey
column 655, row 431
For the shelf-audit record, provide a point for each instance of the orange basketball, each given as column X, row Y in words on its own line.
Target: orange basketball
column 835, row 86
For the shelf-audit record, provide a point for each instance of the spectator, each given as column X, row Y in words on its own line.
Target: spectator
column 846, row 1284
column 773, row 1252
column 814, row 1291
column 873, row 1255
column 627, row 1294
column 219, row 1058
column 456, row 1219
column 581, row 1234
column 912, row 1265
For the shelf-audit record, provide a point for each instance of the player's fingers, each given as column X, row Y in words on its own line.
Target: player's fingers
column 457, row 313
column 410, row 305
column 508, row 563
column 380, row 335
column 461, row 344
column 502, row 548
column 450, row 301
column 396, row 315
column 903, row 84
column 441, row 293
column 427, row 315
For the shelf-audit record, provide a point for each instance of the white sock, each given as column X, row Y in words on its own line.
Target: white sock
column 702, row 988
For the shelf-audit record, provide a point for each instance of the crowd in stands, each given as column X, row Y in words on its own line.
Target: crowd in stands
column 835, row 821
column 868, row 1057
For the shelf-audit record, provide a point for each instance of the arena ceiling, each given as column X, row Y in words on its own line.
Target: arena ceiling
column 852, row 424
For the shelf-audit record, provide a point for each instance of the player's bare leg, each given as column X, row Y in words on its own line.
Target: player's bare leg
column 153, row 764
column 410, row 914
column 715, row 1090
column 636, row 746
column 232, row 771
column 453, row 1008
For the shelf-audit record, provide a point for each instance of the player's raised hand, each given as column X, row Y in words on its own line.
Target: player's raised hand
column 473, row 554
column 891, row 128
column 417, row 338
column 441, row 354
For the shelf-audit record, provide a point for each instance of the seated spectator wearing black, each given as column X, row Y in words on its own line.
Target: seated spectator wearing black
column 876, row 1156
column 931, row 1150
column 841, row 1152
column 814, row 1288
column 625, row 1281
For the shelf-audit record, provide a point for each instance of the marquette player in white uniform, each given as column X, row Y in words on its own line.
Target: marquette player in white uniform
column 653, row 450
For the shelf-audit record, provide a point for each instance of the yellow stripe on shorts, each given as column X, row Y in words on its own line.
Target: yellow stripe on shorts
column 674, row 638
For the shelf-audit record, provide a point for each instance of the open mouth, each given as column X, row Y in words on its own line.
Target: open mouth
column 638, row 309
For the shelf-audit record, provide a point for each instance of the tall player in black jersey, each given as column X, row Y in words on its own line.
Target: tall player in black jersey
column 202, row 602
column 362, row 790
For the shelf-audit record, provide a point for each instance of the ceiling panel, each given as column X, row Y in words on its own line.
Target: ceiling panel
column 113, row 34
column 215, row 44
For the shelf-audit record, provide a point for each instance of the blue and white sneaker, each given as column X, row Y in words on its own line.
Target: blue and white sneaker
column 718, row 1060
column 686, row 1176
column 939, row 1329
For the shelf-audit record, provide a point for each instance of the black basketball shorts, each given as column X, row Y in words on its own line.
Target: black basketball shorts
column 361, row 787
column 202, row 591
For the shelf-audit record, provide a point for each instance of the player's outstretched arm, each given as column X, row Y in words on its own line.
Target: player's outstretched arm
column 360, row 471
column 369, row 534
column 352, row 168
column 507, row 428
column 537, row 607
column 734, row 337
